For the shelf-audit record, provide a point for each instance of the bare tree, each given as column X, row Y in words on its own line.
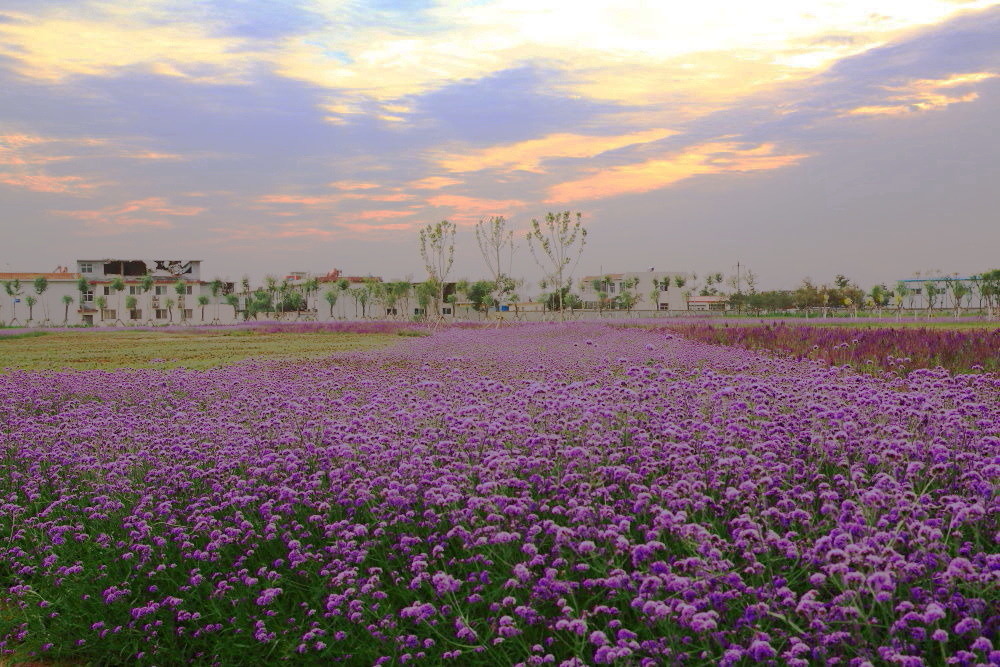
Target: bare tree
column 553, row 244
column 437, row 248
column 496, row 243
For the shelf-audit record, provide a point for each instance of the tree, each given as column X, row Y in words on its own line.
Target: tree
column 13, row 289
column 130, row 304
column 989, row 289
column 67, row 301
column 899, row 296
column 627, row 298
column 101, row 303
column 311, row 287
column 234, row 301
column 203, row 301
column 170, row 310
column 425, row 293
column 879, row 297
column 437, row 248
column 41, row 284
column 496, row 243
column 83, row 287
column 600, row 286
column 31, row 301
column 480, row 293
column 117, row 287
column 557, row 245
column 146, row 284
column 181, row 288
column 392, row 293
column 360, row 296
column 331, row 298
column 216, row 288
column 932, row 291
column 956, row 289
column 561, row 299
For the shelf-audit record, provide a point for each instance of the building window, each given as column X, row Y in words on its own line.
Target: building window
column 135, row 314
column 107, row 290
column 418, row 311
column 188, row 290
column 161, row 314
column 110, row 314
column 160, row 290
column 664, row 306
column 86, row 267
column 88, row 296
column 446, row 311
column 188, row 313
column 134, row 290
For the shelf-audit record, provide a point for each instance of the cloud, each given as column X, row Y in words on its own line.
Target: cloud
column 150, row 212
column 629, row 52
column 433, row 183
column 924, row 95
column 529, row 155
column 151, row 155
column 76, row 40
column 39, row 181
column 354, row 185
column 702, row 159
column 468, row 210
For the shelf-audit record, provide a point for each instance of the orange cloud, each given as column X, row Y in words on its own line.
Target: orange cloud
column 149, row 212
column 302, row 200
column 433, row 183
column 54, row 45
column 380, row 215
column 924, row 95
column 41, row 182
column 366, row 229
column 708, row 158
column 152, row 155
column 470, row 209
column 529, row 155
column 354, row 185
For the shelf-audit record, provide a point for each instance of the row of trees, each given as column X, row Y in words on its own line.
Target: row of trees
column 556, row 244
column 933, row 292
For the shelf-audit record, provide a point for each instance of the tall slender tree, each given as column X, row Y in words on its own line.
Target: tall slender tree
column 146, row 284
column 496, row 244
column 557, row 245
column 180, row 287
column 67, row 302
column 437, row 248
column 13, row 289
column 41, row 284
column 117, row 288
column 131, row 302
column 216, row 287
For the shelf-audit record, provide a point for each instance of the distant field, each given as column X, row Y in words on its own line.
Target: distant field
column 861, row 323
column 85, row 349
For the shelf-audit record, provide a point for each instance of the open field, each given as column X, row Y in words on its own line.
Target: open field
column 579, row 494
column 189, row 348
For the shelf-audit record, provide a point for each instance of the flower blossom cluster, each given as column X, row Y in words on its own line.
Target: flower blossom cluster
column 542, row 494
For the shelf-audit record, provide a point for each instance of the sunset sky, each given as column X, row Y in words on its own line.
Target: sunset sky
column 798, row 138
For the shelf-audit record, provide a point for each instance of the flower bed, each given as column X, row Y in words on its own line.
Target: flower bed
column 532, row 495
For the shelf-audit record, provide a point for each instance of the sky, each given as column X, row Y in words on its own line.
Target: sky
column 796, row 138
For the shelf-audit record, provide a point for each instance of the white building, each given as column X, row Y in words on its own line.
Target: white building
column 154, row 292
column 653, row 290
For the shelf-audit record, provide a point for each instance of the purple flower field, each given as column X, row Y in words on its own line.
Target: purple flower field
column 543, row 494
